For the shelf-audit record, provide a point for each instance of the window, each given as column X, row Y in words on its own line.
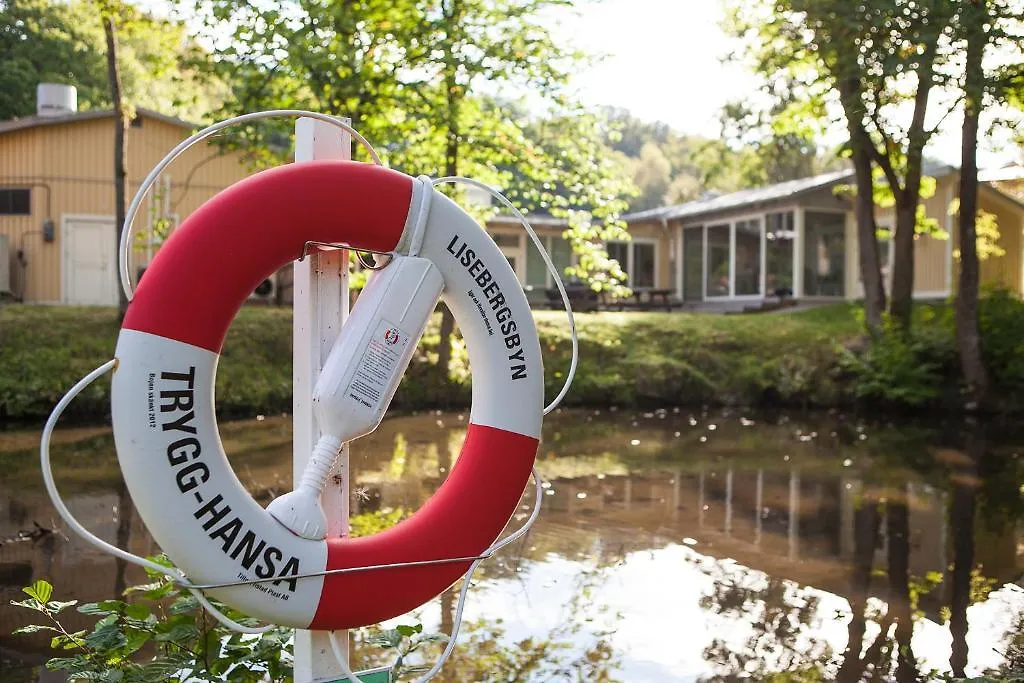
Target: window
column 824, row 254
column 642, row 276
column 15, row 202
column 558, row 249
column 779, row 240
column 748, row 257
column 638, row 259
column 719, row 264
column 693, row 264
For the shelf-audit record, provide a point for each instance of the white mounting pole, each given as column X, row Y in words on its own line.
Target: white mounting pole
column 320, row 307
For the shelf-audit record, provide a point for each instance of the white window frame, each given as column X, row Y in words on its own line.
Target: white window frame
column 631, row 259
column 731, row 222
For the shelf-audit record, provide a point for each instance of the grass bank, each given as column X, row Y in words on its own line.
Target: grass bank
column 793, row 359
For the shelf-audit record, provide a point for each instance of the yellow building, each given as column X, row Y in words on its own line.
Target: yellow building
column 800, row 238
column 57, row 232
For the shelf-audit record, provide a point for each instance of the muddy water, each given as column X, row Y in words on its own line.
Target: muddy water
column 672, row 546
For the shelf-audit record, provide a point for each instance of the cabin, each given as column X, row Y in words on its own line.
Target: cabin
column 58, row 241
column 798, row 239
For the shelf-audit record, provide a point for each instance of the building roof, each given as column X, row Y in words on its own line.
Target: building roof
column 760, row 195
column 737, row 200
column 25, row 122
column 995, row 175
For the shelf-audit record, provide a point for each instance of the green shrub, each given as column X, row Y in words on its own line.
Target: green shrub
column 1001, row 318
column 905, row 369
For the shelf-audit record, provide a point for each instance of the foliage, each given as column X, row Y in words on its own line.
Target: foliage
column 58, row 42
column 161, row 634
column 987, row 228
column 904, row 369
column 1001, row 319
column 421, row 77
column 807, row 358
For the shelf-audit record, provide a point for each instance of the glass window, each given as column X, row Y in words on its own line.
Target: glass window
column 620, row 252
column 748, row 257
column 779, row 239
column 559, row 250
column 536, row 271
column 643, row 265
column 693, row 264
column 15, row 202
column 561, row 254
column 824, row 254
column 719, row 266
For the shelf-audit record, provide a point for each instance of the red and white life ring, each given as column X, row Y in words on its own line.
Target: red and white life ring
column 166, row 432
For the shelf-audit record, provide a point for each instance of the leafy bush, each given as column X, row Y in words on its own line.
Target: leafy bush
column 180, row 641
column 905, row 369
column 1001, row 318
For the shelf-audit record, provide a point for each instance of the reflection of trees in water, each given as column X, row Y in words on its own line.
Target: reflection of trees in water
column 574, row 649
column 779, row 615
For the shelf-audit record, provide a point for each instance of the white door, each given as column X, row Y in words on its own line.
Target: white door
column 90, row 258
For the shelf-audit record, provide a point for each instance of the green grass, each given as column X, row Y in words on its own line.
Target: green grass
column 625, row 359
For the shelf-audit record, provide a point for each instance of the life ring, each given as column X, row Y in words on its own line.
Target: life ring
column 166, row 432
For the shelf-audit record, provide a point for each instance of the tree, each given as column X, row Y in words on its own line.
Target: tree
column 871, row 60
column 652, row 175
column 51, row 41
column 414, row 74
column 985, row 27
column 44, row 41
column 120, row 124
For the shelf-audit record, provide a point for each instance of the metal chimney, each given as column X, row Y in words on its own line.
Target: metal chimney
column 54, row 99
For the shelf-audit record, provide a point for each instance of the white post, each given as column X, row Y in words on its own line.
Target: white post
column 320, row 305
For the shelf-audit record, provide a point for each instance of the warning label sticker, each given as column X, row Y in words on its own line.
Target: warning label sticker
column 378, row 364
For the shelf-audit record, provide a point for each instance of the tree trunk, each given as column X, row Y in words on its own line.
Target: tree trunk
column 908, row 197
column 902, row 300
column 867, row 239
column 453, row 96
column 968, row 333
column 120, row 163
column 867, row 235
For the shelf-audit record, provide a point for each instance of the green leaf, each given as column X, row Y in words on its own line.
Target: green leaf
column 106, row 635
column 137, row 611
column 41, row 590
column 409, row 631
column 58, row 606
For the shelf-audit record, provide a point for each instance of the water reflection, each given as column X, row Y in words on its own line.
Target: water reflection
column 672, row 547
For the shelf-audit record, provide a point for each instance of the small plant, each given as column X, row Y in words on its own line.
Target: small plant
column 162, row 635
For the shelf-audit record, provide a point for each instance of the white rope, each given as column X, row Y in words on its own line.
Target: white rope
column 133, row 208
column 88, row 536
column 551, row 269
column 467, row 581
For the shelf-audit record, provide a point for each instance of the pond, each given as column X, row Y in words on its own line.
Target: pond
column 672, row 545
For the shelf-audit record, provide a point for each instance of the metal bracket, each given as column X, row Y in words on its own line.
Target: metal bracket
column 360, row 253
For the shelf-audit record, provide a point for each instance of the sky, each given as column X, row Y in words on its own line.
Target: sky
column 663, row 61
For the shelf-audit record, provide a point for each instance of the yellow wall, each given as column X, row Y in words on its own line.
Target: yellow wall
column 75, row 160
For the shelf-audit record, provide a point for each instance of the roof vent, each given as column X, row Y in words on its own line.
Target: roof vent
column 54, row 99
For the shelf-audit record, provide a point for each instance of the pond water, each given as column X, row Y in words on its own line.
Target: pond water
column 672, row 545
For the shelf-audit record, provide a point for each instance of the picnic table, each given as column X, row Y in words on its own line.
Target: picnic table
column 646, row 299
column 585, row 299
